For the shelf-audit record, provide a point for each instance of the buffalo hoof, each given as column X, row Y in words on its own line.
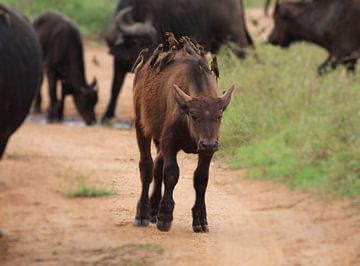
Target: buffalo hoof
column 163, row 226
column 141, row 222
column 153, row 218
column 201, row 228
column 37, row 110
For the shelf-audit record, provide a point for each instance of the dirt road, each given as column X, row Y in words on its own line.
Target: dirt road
column 251, row 222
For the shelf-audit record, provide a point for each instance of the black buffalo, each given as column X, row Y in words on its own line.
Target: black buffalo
column 63, row 60
column 331, row 24
column 20, row 71
column 137, row 24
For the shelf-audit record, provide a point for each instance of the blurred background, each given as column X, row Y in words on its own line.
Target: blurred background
column 288, row 166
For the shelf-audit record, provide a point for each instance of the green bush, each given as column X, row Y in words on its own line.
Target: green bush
column 92, row 16
column 288, row 124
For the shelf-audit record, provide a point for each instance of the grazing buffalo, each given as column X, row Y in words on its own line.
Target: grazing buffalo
column 178, row 107
column 63, row 60
column 137, row 24
column 331, row 24
column 20, row 71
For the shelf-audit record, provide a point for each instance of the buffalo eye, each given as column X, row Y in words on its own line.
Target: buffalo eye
column 219, row 117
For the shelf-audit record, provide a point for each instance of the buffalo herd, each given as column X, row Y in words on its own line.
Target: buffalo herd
column 165, row 43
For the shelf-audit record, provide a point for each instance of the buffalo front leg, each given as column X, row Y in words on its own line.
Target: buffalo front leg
column 142, row 217
column 119, row 76
column 156, row 194
column 201, row 177
column 171, row 177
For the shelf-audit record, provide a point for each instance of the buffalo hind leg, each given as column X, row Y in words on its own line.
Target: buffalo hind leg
column 201, row 177
column 54, row 104
column 146, row 171
column 38, row 99
column 156, row 194
column 171, row 177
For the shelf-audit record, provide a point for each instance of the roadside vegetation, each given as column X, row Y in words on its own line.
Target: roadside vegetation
column 82, row 185
column 91, row 16
column 287, row 124
column 254, row 3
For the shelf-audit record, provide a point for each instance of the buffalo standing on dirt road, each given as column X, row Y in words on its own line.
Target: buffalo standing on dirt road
column 178, row 107
column 331, row 24
column 138, row 24
column 20, row 70
column 63, row 60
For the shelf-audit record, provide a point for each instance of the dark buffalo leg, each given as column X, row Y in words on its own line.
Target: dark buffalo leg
column 171, row 177
column 119, row 76
column 60, row 114
column 53, row 108
column 351, row 66
column 324, row 67
column 146, row 171
column 156, row 194
column 201, row 177
column 3, row 142
column 38, row 99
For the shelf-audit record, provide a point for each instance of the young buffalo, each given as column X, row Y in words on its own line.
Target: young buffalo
column 177, row 105
column 63, row 59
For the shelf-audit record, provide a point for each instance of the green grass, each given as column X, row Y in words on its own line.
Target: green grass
column 289, row 125
column 92, row 16
column 254, row 3
column 83, row 190
column 81, row 185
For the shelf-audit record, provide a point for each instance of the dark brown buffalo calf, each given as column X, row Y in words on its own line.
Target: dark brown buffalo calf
column 178, row 107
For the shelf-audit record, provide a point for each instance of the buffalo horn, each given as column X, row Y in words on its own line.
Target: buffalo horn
column 136, row 28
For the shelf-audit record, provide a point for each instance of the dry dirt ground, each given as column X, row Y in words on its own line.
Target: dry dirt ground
column 251, row 222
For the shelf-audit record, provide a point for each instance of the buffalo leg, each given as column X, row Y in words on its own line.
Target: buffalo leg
column 60, row 111
column 171, row 177
column 38, row 99
column 351, row 66
column 119, row 76
column 156, row 194
column 324, row 67
column 146, row 171
column 3, row 142
column 52, row 112
column 201, row 177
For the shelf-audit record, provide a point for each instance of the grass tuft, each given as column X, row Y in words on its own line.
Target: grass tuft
column 83, row 190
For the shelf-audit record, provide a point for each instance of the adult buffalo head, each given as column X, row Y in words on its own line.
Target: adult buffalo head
column 126, row 38
column 287, row 27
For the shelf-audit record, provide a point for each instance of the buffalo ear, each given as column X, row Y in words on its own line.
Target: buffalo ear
column 181, row 98
column 226, row 98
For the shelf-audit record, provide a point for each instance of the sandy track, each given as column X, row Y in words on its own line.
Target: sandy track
column 251, row 222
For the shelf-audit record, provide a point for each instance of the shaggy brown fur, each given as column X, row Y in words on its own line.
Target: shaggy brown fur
column 179, row 108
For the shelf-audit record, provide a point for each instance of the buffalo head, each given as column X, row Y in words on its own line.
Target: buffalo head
column 287, row 27
column 126, row 38
column 85, row 100
column 204, row 117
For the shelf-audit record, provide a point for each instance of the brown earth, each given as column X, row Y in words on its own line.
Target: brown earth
column 251, row 222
